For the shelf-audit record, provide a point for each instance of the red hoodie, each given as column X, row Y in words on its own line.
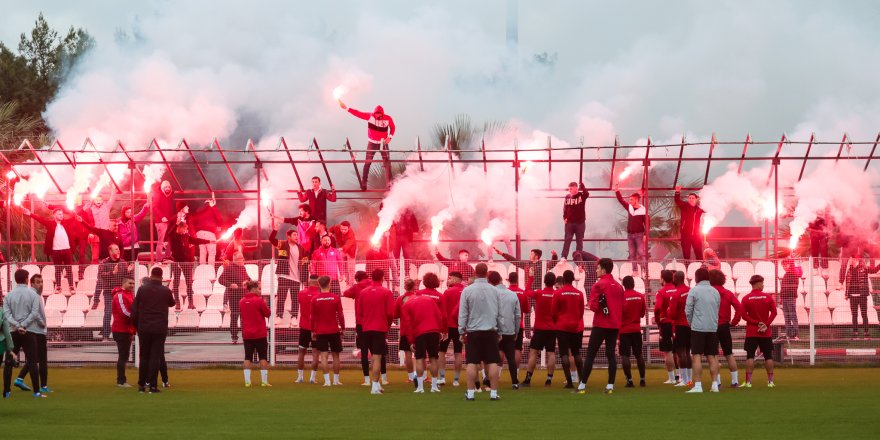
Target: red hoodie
column 634, row 309
column 661, row 303
column 375, row 308
column 121, row 309
column 524, row 305
column 353, row 292
column 398, row 314
column 758, row 307
column 568, row 309
column 451, row 301
column 254, row 312
column 543, row 308
column 614, row 300
column 438, row 299
column 423, row 316
column 675, row 311
column 305, row 306
column 327, row 317
column 379, row 125
column 728, row 300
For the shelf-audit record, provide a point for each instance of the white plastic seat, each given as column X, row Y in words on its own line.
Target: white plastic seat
column 676, row 266
column 360, row 266
column 726, row 269
column 692, row 269
column 188, row 318
column 640, row 285
column 73, row 319
column 742, row 286
column 78, row 302
column 199, row 301
column 211, row 319
column 56, row 302
column 86, row 286
column 654, row 269
column 348, row 310
column 204, row 272
column 268, row 282
column 252, row 270
column 202, row 286
column 742, row 270
column 215, row 302
column 625, row 270
column 561, row 267
column 90, row 272
column 172, row 319
column 54, row 318
column 219, row 290
column 94, row 318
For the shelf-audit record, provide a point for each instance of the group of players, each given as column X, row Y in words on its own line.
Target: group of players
column 487, row 321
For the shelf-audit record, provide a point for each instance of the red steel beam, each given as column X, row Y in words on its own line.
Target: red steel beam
column 40, row 160
column 165, row 161
column 226, row 162
column 196, row 163
column 324, row 164
column 871, row 156
column 745, row 150
column 807, row 156
column 283, row 142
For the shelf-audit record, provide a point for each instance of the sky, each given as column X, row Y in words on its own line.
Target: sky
column 263, row 69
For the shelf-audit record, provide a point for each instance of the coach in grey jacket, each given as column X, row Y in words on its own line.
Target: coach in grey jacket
column 479, row 321
column 22, row 308
column 701, row 310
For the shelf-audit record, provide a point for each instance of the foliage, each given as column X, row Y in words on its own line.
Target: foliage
column 462, row 134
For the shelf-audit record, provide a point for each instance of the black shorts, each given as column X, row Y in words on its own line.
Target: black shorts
column 569, row 342
column 724, row 339
column 753, row 343
column 682, row 337
column 427, row 344
column 305, row 338
column 543, row 340
column 375, row 342
column 518, row 343
column 507, row 343
column 404, row 344
column 454, row 338
column 666, row 337
column 260, row 346
column 482, row 346
column 332, row 342
column 629, row 343
column 704, row 343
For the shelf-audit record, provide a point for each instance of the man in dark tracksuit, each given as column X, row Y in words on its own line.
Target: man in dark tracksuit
column 288, row 267
column 690, row 230
column 574, row 216
column 149, row 313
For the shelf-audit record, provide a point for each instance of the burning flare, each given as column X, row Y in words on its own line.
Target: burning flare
column 339, row 91
column 709, row 222
column 437, row 225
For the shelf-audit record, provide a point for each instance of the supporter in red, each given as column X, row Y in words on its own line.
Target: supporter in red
column 725, row 321
column 317, row 198
column 532, row 268
column 123, row 328
column 634, row 309
column 233, row 278
column 380, row 130
column 426, row 324
column 461, row 265
column 690, row 231
column 327, row 261
column 328, row 323
column 661, row 319
column 254, row 312
column 525, row 309
column 759, row 311
column 347, row 243
column 451, row 298
column 305, row 329
column 362, row 281
column 406, row 339
column 163, row 210
column 544, row 332
column 568, row 320
column 606, row 302
column 304, row 224
column 374, row 309
column 682, row 341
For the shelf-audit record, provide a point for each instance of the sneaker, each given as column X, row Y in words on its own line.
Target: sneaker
column 441, row 381
column 154, row 390
column 166, row 384
column 19, row 383
column 496, row 398
column 670, row 382
column 455, row 383
column 713, row 390
column 337, row 384
column 469, row 399
column 266, row 384
column 747, row 385
column 45, row 390
column 642, row 383
column 366, row 384
column 526, row 383
column 478, row 390
column 681, row 384
column 582, row 392
column 247, row 384
column 379, row 391
column 7, row 395
column 514, row 386
column 734, row 385
column 486, row 382
column 327, row 384
column 548, row 383
column 40, row 395
column 123, row 385
column 419, row 391
column 313, row 381
column 298, row 380
column 435, row 390
column 609, row 391
column 694, row 391
column 771, row 385
column 629, row 384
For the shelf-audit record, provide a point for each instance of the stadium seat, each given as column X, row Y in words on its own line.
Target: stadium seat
column 94, row 319
column 54, row 318
column 348, row 310
column 640, row 285
column 561, row 267
column 360, row 266
column 172, row 319
column 48, row 283
column 215, row 302
column 615, row 271
column 226, row 319
column 833, row 272
column 692, row 269
column 742, row 270
column 202, row 286
column 219, row 290
column 676, row 266
column 204, row 272
column 211, row 319
column 200, row 302
column 187, row 318
column 654, row 269
column 90, row 272
column 73, row 319
column 727, row 270
column 78, row 302
column 624, row 270
column 252, row 270
column 742, row 286
column 86, row 286
column 6, row 271
column 56, row 302
column 268, row 282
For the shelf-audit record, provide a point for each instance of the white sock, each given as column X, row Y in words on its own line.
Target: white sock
column 680, row 372
column 420, row 385
column 442, row 373
column 247, row 375
column 376, row 386
column 734, row 377
column 610, row 386
column 424, row 375
column 574, row 376
column 715, row 386
column 717, row 378
column 366, row 379
column 470, row 394
column 435, row 386
column 410, row 375
column 335, row 378
column 493, row 393
column 264, row 376
column 299, row 374
column 326, row 377
column 384, row 377
column 671, row 375
column 312, row 375
column 689, row 373
column 698, row 385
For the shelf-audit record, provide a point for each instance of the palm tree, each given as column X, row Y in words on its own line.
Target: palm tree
column 14, row 128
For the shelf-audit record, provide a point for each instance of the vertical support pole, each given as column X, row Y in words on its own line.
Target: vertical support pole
column 273, row 307
column 516, row 209
column 33, row 247
column 776, row 211
column 137, row 277
column 812, row 316
column 259, row 167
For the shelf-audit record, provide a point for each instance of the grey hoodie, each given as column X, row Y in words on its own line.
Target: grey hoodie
column 23, row 308
column 702, row 307
column 508, row 308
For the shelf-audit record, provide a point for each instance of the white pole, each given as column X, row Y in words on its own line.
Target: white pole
column 137, row 282
column 273, row 307
column 812, row 316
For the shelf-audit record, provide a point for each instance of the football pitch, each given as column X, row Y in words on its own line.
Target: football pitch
column 213, row 403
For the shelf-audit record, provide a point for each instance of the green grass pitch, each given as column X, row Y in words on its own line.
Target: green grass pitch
column 817, row 403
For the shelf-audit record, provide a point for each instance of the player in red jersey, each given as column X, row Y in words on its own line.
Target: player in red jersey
column 759, row 312
column 362, row 281
column 634, row 309
column 606, row 302
column 427, row 325
column 406, row 340
column 682, row 342
column 568, row 319
column 254, row 312
column 328, row 323
column 451, row 298
column 544, row 333
column 304, row 298
column 725, row 322
column 525, row 309
column 661, row 305
column 375, row 311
